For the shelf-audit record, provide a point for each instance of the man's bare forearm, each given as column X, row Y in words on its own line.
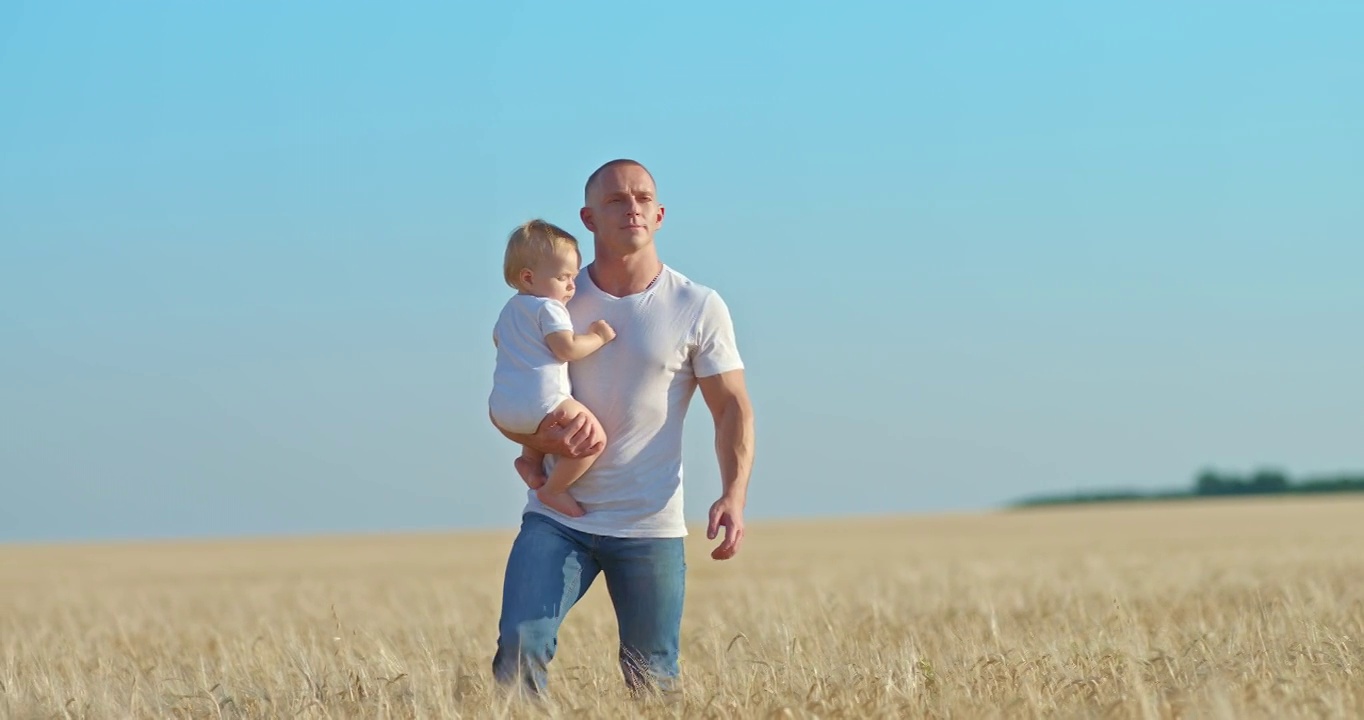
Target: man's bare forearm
column 518, row 438
column 734, row 438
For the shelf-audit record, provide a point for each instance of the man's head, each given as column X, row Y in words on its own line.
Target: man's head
column 620, row 206
column 542, row 259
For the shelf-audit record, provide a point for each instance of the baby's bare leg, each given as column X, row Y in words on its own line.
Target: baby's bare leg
column 531, row 467
column 554, row 493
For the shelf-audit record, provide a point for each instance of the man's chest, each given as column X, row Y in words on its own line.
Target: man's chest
column 651, row 336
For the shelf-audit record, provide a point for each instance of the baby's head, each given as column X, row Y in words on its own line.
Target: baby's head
column 542, row 260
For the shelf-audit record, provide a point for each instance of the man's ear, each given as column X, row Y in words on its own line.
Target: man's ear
column 586, row 215
column 659, row 222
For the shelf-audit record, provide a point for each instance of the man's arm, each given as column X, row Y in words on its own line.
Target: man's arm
column 571, row 438
column 727, row 397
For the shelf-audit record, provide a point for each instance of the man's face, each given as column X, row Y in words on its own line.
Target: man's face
column 622, row 208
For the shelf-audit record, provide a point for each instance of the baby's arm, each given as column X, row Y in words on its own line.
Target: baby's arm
column 568, row 347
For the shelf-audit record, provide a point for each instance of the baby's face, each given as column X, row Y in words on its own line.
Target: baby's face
column 554, row 276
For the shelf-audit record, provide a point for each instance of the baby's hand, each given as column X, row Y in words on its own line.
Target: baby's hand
column 601, row 329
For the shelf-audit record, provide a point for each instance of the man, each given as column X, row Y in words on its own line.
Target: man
column 673, row 336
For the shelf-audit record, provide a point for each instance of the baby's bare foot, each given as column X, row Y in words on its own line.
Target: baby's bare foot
column 532, row 474
column 560, row 501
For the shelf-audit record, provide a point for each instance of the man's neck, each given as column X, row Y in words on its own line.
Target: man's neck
column 624, row 275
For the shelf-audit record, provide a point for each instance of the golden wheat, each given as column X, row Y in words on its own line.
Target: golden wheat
column 1244, row 609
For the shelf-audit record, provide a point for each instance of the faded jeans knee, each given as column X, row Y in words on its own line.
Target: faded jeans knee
column 524, row 652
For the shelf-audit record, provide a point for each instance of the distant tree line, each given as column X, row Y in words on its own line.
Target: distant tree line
column 1212, row 483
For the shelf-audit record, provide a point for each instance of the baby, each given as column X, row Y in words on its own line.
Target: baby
column 535, row 342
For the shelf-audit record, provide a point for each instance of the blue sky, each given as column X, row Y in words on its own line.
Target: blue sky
column 250, row 252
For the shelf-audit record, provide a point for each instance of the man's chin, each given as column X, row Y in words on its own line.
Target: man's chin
column 631, row 241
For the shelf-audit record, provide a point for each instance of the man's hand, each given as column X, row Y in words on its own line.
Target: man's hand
column 729, row 513
column 561, row 435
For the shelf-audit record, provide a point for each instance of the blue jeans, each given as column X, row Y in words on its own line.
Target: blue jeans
column 552, row 566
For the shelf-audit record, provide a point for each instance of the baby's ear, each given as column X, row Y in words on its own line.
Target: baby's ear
column 526, row 276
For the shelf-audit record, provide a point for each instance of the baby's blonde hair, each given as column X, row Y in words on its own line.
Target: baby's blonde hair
column 531, row 243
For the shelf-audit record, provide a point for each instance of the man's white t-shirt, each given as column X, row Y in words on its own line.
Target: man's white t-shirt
column 639, row 386
column 528, row 380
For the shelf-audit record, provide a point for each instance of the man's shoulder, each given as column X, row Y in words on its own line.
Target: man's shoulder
column 686, row 289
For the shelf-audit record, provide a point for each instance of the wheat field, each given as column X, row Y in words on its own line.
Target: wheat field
column 1198, row 610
